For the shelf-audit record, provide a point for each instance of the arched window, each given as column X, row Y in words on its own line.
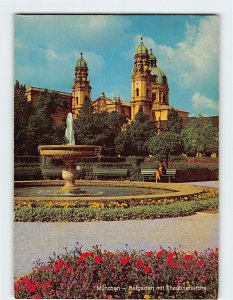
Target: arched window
column 137, row 91
column 147, row 92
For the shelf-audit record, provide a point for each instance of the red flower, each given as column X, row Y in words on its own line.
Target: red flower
column 86, row 254
column 158, row 254
column 26, row 280
column 31, row 287
column 125, row 260
column 111, row 268
column 149, row 253
column 201, row 262
column 59, row 264
column 173, row 265
column 83, row 256
column 170, row 256
column 188, row 257
column 196, row 253
column 212, row 254
column 47, row 283
column 216, row 250
column 97, row 259
column 147, row 269
column 139, row 263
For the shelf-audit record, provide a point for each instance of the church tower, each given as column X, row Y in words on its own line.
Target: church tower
column 141, row 82
column 160, row 89
column 81, row 88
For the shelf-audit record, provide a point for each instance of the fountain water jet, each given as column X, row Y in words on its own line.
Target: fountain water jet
column 69, row 154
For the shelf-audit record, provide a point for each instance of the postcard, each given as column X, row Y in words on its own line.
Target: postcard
column 116, row 156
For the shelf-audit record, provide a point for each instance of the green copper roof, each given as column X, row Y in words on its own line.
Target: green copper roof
column 81, row 62
column 141, row 49
column 159, row 75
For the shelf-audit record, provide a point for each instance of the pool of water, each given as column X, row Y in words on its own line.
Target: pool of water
column 43, row 191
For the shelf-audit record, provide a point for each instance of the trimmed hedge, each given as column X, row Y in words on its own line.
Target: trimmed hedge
column 54, row 214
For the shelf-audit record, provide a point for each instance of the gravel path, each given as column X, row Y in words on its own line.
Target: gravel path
column 39, row 240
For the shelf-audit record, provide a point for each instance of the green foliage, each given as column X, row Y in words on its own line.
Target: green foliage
column 34, row 123
column 98, row 128
column 166, row 143
column 134, row 141
column 174, row 122
column 22, row 112
column 200, row 136
column 82, row 214
column 42, row 128
column 108, row 126
column 84, row 127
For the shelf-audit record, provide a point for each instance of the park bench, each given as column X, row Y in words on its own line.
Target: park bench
column 109, row 172
column 170, row 173
column 25, row 172
column 54, row 172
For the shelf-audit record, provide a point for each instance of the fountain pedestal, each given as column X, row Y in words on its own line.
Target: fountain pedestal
column 69, row 154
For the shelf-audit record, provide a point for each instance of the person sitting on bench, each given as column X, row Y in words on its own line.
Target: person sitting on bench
column 161, row 170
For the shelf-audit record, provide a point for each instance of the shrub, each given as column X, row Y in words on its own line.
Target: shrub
column 98, row 274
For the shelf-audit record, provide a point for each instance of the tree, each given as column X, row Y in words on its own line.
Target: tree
column 139, row 131
column 174, row 122
column 108, row 126
column 84, row 127
column 22, row 111
column 166, row 143
column 42, row 128
column 200, row 136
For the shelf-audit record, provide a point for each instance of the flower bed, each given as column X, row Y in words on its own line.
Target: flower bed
column 73, row 203
column 82, row 214
column 99, row 274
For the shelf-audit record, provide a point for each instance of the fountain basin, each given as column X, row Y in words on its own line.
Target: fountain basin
column 170, row 190
column 69, row 154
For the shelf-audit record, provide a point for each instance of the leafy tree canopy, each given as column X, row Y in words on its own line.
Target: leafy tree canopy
column 166, row 143
column 200, row 136
column 135, row 139
column 174, row 122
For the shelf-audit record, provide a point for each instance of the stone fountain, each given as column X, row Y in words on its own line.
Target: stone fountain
column 69, row 154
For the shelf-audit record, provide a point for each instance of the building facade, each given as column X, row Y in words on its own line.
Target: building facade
column 149, row 86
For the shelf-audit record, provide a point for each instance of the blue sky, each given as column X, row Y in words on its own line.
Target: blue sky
column 186, row 46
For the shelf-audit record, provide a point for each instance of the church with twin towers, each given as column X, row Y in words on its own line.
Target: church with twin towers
column 149, row 90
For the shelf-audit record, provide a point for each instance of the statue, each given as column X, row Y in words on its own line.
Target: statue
column 69, row 133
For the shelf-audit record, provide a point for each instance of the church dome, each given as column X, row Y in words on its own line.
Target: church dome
column 141, row 49
column 152, row 56
column 159, row 74
column 81, row 62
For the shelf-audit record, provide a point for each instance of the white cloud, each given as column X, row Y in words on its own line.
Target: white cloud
column 194, row 60
column 202, row 104
column 51, row 55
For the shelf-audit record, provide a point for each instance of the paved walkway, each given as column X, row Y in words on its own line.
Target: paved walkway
column 205, row 183
column 39, row 240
